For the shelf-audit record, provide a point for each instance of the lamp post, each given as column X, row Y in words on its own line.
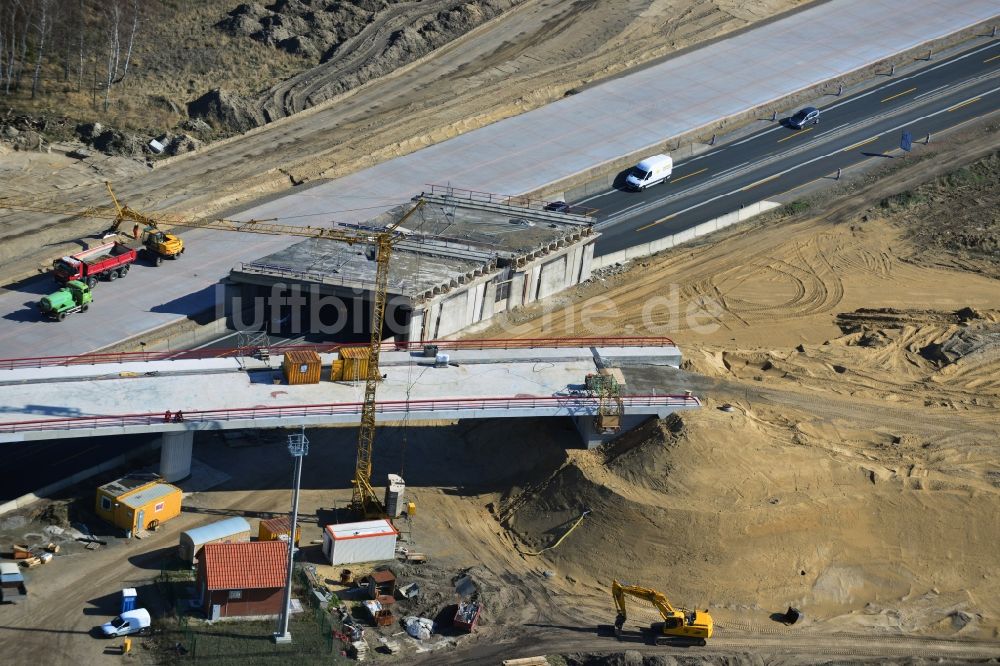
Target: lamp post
column 298, row 446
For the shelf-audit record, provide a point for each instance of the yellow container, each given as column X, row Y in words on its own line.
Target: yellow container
column 301, row 367
column 274, row 528
column 355, row 364
column 134, row 504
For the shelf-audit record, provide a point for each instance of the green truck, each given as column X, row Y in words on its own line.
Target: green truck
column 74, row 297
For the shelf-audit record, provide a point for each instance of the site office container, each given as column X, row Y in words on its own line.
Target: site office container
column 367, row 541
column 230, row 530
column 274, row 528
column 137, row 504
column 301, row 367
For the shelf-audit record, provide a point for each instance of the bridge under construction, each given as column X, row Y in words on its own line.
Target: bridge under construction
column 175, row 394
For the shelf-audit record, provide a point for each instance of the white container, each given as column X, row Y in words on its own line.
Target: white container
column 368, row 541
column 394, row 489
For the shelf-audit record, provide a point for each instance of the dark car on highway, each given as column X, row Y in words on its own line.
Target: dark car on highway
column 558, row 207
column 807, row 116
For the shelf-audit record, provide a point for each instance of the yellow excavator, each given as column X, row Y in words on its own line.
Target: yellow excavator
column 677, row 622
column 159, row 244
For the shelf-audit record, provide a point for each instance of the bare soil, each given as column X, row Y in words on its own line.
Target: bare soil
column 857, row 345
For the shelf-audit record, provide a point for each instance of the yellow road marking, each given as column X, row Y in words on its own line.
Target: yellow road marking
column 668, row 217
column 799, row 133
column 677, row 180
column 759, row 182
column 905, row 92
column 965, row 103
column 862, row 143
column 992, row 59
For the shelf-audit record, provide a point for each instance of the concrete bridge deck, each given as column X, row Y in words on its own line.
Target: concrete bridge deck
column 227, row 393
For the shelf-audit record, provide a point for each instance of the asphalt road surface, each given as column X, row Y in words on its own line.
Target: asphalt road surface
column 852, row 130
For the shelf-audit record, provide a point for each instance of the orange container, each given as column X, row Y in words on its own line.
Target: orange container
column 301, row 367
column 355, row 366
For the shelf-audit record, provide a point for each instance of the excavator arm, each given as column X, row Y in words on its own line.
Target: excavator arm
column 123, row 213
column 676, row 622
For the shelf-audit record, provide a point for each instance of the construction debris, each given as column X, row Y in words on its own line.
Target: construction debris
column 420, row 628
column 467, row 615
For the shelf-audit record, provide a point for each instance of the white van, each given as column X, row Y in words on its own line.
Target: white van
column 130, row 622
column 650, row 171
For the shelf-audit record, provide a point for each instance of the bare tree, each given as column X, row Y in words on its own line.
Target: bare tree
column 114, row 15
column 44, row 27
column 82, row 29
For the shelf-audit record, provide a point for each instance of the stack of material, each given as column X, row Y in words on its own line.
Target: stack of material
column 360, row 649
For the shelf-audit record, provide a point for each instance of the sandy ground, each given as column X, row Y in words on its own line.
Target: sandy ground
column 853, row 443
column 487, row 75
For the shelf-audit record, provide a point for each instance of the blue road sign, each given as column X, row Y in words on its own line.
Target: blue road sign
column 906, row 141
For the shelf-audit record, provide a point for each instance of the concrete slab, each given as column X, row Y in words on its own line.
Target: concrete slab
column 130, row 397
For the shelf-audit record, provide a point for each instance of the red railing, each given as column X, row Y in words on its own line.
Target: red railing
column 275, row 350
column 332, row 409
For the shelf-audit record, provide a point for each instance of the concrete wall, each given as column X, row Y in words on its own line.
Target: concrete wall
column 705, row 228
column 475, row 302
column 552, row 277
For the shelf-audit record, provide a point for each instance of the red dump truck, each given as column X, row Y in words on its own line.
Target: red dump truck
column 109, row 261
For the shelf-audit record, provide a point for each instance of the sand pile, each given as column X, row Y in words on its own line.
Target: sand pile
column 752, row 510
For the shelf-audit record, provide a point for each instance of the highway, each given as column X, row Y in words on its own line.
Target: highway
column 852, row 130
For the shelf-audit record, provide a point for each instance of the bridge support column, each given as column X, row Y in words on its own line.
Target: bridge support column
column 175, row 455
column 588, row 433
column 592, row 439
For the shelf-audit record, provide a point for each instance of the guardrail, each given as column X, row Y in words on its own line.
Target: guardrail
column 260, row 268
column 351, row 408
column 276, row 350
column 512, row 200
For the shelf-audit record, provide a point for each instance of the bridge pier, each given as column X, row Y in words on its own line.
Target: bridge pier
column 592, row 439
column 175, row 455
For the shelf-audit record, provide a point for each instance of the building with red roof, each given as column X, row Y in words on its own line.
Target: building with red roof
column 242, row 579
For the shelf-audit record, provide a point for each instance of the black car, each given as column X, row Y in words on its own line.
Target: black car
column 807, row 116
column 558, row 206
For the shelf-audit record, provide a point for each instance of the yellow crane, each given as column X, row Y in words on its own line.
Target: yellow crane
column 364, row 500
column 677, row 622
